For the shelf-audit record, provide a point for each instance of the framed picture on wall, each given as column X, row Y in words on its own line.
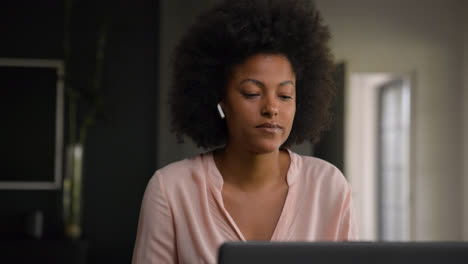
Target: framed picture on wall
column 32, row 113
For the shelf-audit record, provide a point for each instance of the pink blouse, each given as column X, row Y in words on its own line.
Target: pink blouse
column 183, row 218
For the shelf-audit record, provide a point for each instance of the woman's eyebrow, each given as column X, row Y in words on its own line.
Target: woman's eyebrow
column 259, row 83
column 256, row 82
column 286, row 82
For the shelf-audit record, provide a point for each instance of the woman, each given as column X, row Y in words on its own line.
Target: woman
column 251, row 78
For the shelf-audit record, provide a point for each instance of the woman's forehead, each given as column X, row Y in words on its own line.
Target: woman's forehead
column 269, row 66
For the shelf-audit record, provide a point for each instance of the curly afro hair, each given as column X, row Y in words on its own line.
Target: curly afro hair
column 227, row 35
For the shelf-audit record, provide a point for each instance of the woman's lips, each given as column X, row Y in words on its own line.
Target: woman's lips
column 270, row 128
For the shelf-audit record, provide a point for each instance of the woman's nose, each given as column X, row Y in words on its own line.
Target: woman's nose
column 270, row 107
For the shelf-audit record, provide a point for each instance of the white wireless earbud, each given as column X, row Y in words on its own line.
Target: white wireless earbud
column 220, row 110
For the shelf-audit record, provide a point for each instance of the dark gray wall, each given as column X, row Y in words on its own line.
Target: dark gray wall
column 331, row 144
column 176, row 16
column 120, row 152
column 27, row 33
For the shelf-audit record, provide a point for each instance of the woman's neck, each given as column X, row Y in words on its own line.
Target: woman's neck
column 251, row 171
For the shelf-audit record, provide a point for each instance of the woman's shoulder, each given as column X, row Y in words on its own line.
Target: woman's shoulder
column 183, row 172
column 317, row 171
column 181, row 166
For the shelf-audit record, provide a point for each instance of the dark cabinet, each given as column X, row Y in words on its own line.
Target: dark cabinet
column 43, row 251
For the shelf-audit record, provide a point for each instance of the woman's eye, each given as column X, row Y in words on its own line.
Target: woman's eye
column 285, row 97
column 249, row 95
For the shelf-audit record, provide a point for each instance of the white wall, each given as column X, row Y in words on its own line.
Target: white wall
column 423, row 38
column 362, row 137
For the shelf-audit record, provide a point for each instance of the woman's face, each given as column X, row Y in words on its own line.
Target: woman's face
column 260, row 103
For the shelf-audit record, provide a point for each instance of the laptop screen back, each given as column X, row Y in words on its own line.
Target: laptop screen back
column 343, row 252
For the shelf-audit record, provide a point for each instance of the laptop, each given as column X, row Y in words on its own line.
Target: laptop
column 344, row 252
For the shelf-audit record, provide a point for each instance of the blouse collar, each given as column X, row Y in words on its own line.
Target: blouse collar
column 217, row 179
